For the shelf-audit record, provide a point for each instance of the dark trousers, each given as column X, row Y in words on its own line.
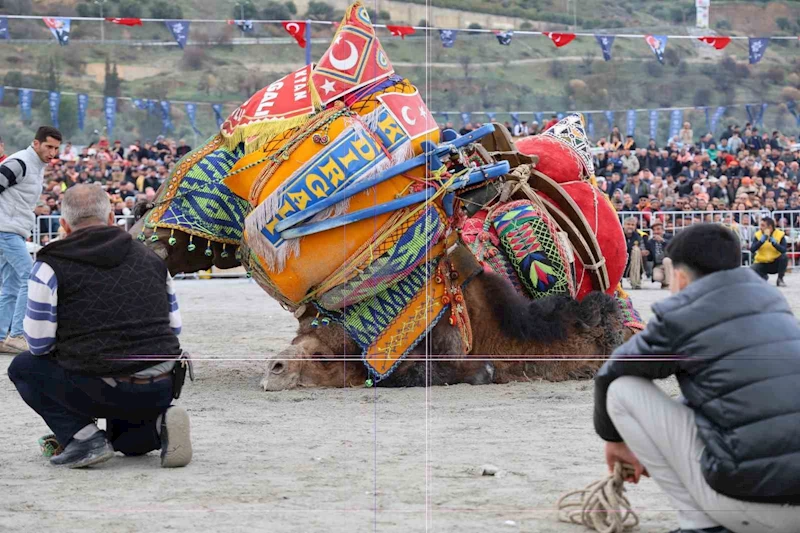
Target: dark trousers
column 68, row 401
column 776, row 267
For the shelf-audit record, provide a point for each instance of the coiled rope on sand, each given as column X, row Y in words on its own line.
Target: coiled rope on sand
column 602, row 505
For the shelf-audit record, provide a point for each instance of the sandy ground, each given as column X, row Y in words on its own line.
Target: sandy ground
column 323, row 460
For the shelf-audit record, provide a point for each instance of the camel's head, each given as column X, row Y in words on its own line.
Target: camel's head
column 312, row 361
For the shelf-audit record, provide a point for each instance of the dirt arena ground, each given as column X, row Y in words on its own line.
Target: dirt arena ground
column 354, row 460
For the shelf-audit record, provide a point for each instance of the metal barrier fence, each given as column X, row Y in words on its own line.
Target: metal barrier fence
column 744, row 223
column 47, row 229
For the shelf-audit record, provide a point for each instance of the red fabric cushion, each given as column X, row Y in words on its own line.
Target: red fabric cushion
column 563, row 166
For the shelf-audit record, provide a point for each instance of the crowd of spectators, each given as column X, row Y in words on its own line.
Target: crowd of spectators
column 127, row 174
column 745, row 170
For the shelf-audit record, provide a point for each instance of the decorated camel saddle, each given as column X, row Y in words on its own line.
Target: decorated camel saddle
column 335, row 189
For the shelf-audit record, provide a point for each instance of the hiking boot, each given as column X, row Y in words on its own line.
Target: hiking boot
column 81, row 453
column 14, row 345
column 780, row 282
column 176, row 442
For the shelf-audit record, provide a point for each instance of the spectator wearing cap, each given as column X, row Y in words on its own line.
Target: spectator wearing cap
column 747, row 187
column 118, row 150
column 182, row 149
column 656, row 245
column 630, row 162
column 769, row 251
column 636, row 242
column 637, row 187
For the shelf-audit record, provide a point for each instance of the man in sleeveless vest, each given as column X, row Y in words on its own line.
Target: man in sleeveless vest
column 21, row 177
column 769, row 251
column 95, row 353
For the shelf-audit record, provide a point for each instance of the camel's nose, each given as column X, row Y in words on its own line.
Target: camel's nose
column 277, row 367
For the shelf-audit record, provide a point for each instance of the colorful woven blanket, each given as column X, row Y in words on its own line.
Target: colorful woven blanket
column 630, row 316
column 398, row 261
column 530, row 243
column 195, row 199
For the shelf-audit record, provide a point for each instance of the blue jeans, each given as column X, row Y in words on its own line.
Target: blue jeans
column 15, row 266
column 68, row 401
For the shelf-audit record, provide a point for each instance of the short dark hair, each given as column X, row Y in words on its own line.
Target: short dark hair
column 704, row 249
column 770, row 222
column 47, row 131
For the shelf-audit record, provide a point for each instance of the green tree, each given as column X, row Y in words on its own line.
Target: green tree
column 245, row 9
column 13, row 79
column 276, row 11
column 783, row 23
column 291, row 7
column 88, row 9
column 112, row 82
column 53, row 76
column 319, row 11
column 165, row 10
column 130, row 8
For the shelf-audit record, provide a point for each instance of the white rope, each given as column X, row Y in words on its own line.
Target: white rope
column 602, row 505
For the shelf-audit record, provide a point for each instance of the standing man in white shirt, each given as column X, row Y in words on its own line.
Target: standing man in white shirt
column 21, row 177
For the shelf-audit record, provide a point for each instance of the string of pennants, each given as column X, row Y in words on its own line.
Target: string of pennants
column 160, row 108
column 299, row 30
column 163, row 109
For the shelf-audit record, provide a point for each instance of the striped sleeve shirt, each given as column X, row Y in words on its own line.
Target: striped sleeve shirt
column 41, row 316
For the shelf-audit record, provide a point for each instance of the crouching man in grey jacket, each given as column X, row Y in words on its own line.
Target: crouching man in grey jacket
column 728, row 456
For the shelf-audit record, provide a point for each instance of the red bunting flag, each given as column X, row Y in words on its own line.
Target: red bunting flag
column 400, row 31
column 297, row 30
column 560, row 39
column 125, row 21
column 717, row 42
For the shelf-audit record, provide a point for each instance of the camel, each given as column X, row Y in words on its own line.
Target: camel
column 504, row 322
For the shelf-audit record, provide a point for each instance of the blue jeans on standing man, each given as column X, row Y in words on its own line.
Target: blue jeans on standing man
column 15, row 266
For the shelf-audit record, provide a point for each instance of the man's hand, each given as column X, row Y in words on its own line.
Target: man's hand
column 645, row 253
column 618, row 452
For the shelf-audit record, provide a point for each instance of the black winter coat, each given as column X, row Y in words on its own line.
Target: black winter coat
column 734, row 345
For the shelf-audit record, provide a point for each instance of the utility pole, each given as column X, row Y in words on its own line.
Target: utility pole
column 102, row 3
column 240, row 5
column 575, row 14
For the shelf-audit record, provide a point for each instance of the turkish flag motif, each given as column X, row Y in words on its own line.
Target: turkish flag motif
column 717, row 42
column 400, row 31
column 125, row 21
column 297, row 30
column 286, row 98
column 354, row 59
column 560, row 39
column 410, row 112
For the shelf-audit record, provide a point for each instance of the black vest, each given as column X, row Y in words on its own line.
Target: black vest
column 112, row 303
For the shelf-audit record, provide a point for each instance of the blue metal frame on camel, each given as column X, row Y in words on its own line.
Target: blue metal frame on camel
column 478, row 175
column 431, row 158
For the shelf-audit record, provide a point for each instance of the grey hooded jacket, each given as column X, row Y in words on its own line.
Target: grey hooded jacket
column 734, row 345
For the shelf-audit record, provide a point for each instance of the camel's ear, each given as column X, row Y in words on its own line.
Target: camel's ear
column 140, row 209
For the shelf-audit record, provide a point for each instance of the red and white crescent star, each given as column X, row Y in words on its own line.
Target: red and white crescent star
column 348, row 62
column 404, row 112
